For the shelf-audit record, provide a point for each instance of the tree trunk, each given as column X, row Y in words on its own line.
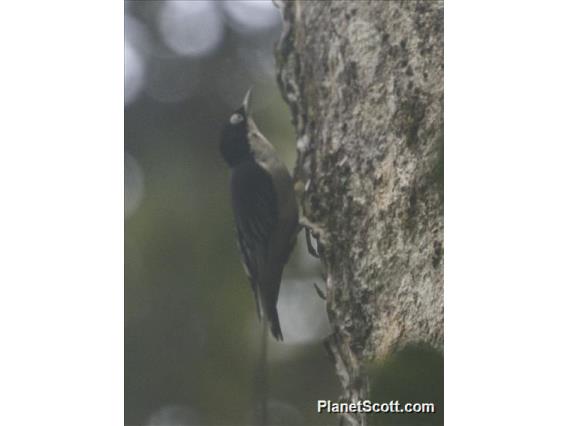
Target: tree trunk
column 364, row 82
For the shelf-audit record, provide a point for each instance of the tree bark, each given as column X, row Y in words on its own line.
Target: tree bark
column 364, row 82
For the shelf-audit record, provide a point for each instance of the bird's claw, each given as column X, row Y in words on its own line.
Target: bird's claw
column 314, row 251
column 320, row 292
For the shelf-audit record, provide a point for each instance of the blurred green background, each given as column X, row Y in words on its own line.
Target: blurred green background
column 191, row 333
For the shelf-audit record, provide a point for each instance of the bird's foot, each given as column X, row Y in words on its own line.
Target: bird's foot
column 314, row 251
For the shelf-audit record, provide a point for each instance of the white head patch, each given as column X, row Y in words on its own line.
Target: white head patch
column 236, row 118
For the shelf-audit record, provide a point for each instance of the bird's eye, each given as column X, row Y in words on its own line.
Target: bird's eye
column 236, row 118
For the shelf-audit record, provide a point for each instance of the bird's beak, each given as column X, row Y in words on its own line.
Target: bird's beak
column 246, row 100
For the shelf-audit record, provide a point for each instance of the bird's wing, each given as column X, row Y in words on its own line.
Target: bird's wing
column 256, row 214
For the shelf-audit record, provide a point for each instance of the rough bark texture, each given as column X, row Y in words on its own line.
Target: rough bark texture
column 364, row 81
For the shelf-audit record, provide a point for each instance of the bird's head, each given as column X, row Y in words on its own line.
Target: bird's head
column 235, row 146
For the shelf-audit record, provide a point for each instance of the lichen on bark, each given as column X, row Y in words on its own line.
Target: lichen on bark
column 364, row 82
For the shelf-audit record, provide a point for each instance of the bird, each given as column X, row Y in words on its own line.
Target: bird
column 264, row 208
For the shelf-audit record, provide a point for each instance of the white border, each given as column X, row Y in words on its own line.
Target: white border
column 61, row 235
column 506, row 212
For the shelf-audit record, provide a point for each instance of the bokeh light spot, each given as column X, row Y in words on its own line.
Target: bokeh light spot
column 174, row 415
column 135, row 41
column 133, row 72
column 252, row 15
column 190, row 28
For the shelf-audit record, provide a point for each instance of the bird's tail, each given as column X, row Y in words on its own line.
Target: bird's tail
column 274, row 321
column 266, row 311
column 268, row 289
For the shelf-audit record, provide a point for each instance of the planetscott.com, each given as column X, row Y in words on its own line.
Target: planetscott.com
column 367, row 406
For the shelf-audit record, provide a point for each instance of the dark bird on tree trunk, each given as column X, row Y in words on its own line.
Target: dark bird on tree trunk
column 264, row 207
